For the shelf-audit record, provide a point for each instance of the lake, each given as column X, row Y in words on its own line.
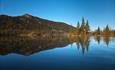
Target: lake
column 57, row 53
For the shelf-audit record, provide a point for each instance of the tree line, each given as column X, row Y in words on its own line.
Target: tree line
column 84, row 29
column 105, row 31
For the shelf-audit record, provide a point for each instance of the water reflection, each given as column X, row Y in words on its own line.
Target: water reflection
column 28, row 46
column 106, row 39
column 81, row 41
column 98, row 38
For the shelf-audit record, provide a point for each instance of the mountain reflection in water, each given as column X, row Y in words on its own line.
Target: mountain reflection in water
column 28, row 46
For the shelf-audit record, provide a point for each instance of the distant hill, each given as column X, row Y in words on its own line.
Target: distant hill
column 30, row 22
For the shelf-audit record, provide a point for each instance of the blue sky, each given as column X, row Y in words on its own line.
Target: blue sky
column 98, row 12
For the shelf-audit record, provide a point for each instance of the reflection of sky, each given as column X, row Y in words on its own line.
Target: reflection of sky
column 113, row 39
column 99, row 12
column 98, row 57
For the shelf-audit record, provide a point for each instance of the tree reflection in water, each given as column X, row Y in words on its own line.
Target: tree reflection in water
column 106, row 39
column 28, row 46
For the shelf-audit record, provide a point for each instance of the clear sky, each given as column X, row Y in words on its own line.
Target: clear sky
column 98, row 12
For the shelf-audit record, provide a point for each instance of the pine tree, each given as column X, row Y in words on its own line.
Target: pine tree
column 87, row 27
column 106, row 31
column 78, row 28
column 98, row 31
column 78, row 25
column 82, row 26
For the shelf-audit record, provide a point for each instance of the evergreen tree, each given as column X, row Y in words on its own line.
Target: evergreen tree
column 78, row 28
column 78, row 25
column 106, row 31
column 87, row 27
column 98, row 31
column 82, row 26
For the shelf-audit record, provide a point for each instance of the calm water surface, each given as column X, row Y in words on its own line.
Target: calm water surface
column 57, row 53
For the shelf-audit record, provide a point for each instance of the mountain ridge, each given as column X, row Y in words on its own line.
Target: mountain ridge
column 26, row 18
column 11, row 25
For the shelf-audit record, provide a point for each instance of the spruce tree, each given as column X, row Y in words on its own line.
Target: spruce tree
column 78, row 28
column 106, row 31
column 98, row 31
column 87, row 27
column 83, row 26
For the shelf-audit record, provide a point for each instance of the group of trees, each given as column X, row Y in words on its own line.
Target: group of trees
column 84, row 28
column 106, row 31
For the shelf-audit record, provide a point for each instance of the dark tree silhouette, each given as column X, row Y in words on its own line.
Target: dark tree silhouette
column 82, row 26
column 87, row 27
column 106, row 31
column 78, row 28
column 98, row 32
